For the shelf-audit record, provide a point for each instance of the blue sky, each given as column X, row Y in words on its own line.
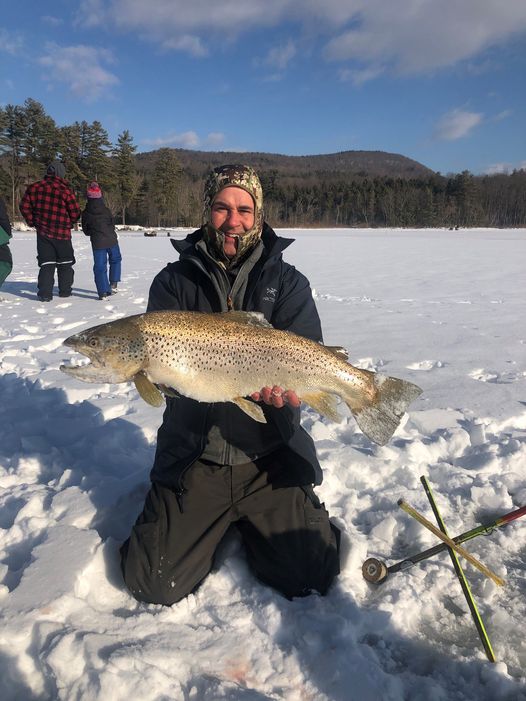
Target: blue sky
column 440, row 81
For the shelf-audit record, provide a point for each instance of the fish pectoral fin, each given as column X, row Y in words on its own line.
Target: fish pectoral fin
column 338, row 351
column 251, row 409
column 324, row 403
column 148, row 390
column 168, row 391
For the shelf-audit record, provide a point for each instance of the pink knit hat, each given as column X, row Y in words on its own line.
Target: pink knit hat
column 93, row 191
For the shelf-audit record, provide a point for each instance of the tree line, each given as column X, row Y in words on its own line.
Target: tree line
column 166, row 194
column 461, row 200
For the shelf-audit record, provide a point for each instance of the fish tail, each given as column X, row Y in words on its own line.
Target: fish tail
column 380, row 418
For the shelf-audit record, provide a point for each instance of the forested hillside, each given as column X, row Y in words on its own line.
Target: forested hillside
column 163, row 187
column 293, row 168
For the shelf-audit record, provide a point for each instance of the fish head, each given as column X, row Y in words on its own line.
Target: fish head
column 116, row 351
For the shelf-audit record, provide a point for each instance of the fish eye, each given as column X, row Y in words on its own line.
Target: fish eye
column 93, row 342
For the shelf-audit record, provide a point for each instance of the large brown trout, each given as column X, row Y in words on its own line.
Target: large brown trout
column 226, row 357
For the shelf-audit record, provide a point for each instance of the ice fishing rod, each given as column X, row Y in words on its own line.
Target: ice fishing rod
column 466, row 589
column 451, row 543
column 376, row 571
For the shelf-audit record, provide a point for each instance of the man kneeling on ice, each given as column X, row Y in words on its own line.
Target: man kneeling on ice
column 214, row 465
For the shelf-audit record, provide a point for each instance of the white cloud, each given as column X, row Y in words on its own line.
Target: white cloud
column 176, row 24
column 502, row 115
column 406, row 36
column 417, row 37
column 189, row 44
column 215, row 138
column 457, row 124
column 188, row 139
column 80, row 67
column 170, row 21
column 164, row 17
column 10, row 43
column 52, row 21
column 496, row 168
column 360, row 76
column 279, row 56
column 92, row 13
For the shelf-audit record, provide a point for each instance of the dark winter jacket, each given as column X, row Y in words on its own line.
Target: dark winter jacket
column 51, row 207
column 284, row 296
column 5, row 235
column 5, row 224
column 98, row 224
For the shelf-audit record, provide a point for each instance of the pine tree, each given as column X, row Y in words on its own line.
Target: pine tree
column 40, row 141
column 72, row 152
column 165, row 186
column 12, row 133
column 96, row 147
column 127, row 182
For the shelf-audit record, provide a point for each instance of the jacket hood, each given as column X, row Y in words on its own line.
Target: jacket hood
column 56, row 168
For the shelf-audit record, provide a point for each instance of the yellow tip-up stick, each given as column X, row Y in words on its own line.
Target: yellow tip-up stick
column 459, row 549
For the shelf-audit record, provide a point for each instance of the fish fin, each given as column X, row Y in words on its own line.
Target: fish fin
column 249, row 318
column 251, row 409
column 148, row 390
column 338, row 351
column 324, row 403
column 168, row 391
column 380, row 419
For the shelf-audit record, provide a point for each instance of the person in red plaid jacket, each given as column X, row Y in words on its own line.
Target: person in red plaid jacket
column 52, row 208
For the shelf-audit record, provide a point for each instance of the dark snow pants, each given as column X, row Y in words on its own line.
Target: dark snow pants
column 51, row 254
column 289, row 541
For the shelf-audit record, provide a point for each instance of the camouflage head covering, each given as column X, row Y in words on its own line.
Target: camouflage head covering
column 246, row 178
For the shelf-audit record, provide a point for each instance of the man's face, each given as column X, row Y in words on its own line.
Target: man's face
column 233, row 214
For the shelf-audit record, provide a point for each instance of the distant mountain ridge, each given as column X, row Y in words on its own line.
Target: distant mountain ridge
column 333, row 165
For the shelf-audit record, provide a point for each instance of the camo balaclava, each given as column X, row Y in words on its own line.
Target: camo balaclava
column 247, row 179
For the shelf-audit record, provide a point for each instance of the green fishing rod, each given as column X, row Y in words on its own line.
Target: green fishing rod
column 470, row 600
column 376, row 571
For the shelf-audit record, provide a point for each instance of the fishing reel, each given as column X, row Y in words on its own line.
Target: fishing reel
column 374, row 571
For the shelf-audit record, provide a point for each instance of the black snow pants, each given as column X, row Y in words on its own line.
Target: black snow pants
column 51, row 254
column 290, row 543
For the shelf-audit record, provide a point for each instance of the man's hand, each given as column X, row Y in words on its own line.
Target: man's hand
column 277, row 397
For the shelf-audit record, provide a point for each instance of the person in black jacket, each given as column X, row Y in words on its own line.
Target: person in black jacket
column 214, row 466
column 6, row 259
column 98, row 224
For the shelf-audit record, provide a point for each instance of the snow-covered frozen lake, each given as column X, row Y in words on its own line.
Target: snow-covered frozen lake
column 444, row 309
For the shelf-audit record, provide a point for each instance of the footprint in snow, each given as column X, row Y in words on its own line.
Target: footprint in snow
column 496, row 377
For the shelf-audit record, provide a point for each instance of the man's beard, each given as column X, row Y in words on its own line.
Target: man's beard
column 245, row 243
